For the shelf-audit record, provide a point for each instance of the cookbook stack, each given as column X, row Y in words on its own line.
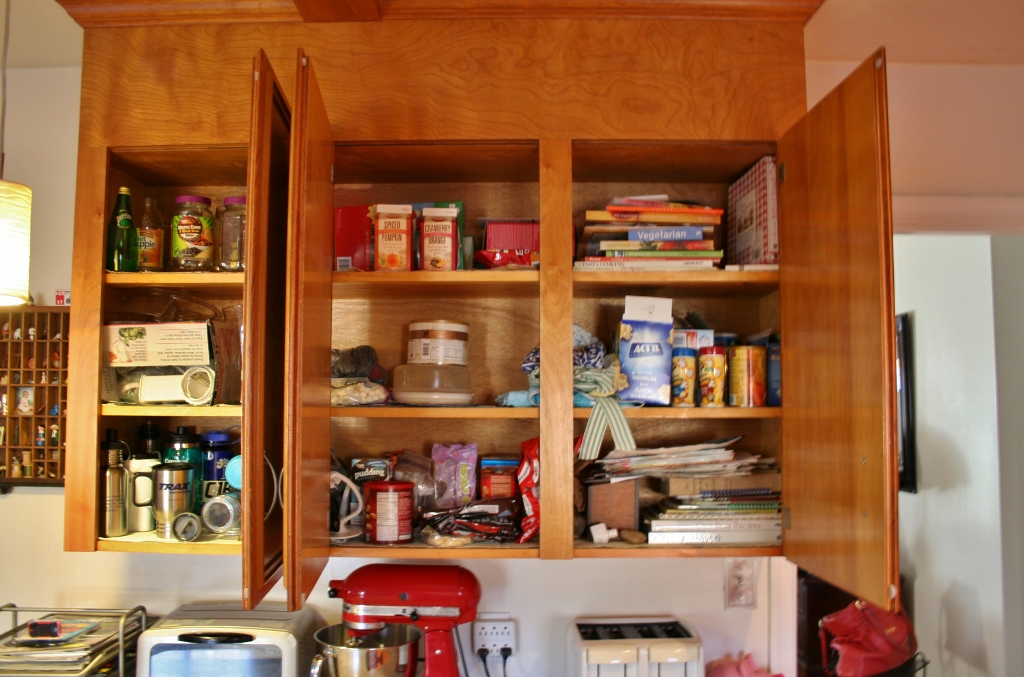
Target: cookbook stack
column 649, row 233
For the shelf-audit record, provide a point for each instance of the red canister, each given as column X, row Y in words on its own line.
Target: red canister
column 389, row 511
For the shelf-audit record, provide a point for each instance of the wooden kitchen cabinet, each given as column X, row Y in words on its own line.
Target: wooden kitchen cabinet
column 532, row 118
column 259, row 169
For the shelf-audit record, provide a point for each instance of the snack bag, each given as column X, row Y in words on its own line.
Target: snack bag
column 454, row 474
column 529, row 487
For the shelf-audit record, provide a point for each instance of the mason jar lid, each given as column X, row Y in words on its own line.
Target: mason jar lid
column 235, row 200
column 192, row 198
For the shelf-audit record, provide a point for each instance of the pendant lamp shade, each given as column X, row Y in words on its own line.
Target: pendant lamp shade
column 15, row 231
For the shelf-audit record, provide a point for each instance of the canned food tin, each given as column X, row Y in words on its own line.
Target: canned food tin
column 438, row 342
column 684, row 377
column 712, row 369
column 389, row 511
column 747, row 376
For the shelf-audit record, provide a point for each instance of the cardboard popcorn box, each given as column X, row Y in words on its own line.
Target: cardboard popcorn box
column 645, row 350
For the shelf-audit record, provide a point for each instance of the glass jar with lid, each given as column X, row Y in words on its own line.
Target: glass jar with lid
column 192, row 234
column 231, row 252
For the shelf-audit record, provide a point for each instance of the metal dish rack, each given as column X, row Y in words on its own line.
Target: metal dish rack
column 105, row 651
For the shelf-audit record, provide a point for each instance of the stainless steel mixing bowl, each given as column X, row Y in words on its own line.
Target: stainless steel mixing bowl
column 389, row 652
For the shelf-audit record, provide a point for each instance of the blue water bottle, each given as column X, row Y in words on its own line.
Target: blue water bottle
column 217, row 451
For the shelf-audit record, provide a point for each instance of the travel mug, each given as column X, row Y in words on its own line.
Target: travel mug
column 172, row 494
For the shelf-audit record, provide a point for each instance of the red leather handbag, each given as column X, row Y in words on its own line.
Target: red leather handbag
column 868, row 639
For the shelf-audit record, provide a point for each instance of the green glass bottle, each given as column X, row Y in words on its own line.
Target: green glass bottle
column 122, row 235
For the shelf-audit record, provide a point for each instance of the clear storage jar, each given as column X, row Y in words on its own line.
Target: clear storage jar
column 231, row 251
column 192, row 234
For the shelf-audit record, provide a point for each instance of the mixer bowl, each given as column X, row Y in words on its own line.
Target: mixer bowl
column 389, row 652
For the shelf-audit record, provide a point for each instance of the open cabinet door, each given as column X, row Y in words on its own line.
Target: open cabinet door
column 838, row 337
column 263, row 353
column 308, row 395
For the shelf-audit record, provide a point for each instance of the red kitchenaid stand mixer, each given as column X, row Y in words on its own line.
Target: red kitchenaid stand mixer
column 434, row 598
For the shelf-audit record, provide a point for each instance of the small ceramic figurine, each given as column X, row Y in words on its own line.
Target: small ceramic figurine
column 17, row 333
column 54, row 435
column 31, row 333
column 40, row 436
column 5, row 332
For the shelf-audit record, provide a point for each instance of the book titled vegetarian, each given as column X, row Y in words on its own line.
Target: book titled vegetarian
column 622, row 229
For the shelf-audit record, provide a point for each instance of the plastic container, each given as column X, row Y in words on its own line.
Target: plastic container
column 438, row 342
column 192, row 234
column 231, row 251
column 684, row 376
column 712, row 367
column 428, row 384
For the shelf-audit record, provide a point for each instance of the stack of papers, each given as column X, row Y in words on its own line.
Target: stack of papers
column 708, row 459
column 80, row 652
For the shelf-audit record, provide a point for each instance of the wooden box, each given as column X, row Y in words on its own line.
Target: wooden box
column 616, row 504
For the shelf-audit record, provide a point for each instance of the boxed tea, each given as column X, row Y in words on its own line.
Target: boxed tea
column 392, row 232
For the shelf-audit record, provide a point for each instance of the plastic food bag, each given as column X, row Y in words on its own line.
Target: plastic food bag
column 492, row 520
column 350, row 393
column 454, row 474
column 416, row 469
column 358, row 362
column 529, row 487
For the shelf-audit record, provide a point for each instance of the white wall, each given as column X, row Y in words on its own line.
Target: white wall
column 41, row 148
column 543, row 596
column 950, row 536
column 953, row 130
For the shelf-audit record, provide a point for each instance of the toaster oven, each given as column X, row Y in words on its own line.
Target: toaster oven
column 222, row 640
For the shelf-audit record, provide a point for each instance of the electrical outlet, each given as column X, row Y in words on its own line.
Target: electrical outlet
column 494, row 635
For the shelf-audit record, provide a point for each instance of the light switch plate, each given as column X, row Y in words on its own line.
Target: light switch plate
column 740, row 582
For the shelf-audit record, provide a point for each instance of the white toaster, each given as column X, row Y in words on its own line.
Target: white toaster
column 637, row 646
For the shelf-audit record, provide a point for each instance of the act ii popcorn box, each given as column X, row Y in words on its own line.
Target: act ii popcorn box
column 645, row 350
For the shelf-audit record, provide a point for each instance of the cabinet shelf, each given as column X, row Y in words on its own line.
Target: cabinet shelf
column 626, row 550
column 387, row 411
column 150, row 544
column 418, row 551
column 691, row 412
column 698, row 282
column 424, row 284
column 170, row 410
column 199, row 281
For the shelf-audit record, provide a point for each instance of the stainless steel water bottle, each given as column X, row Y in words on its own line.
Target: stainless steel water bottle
column 115, row 513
